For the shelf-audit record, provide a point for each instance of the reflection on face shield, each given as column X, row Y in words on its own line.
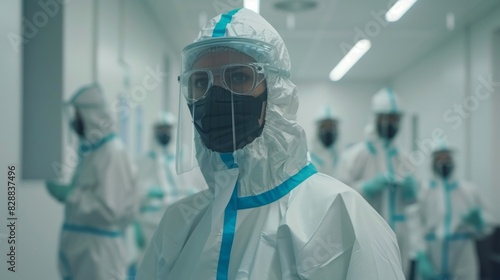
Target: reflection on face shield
column 388, row 126
column 214, row 119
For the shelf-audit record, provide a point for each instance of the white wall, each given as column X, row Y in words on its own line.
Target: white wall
column 431, row 88
column 451, row 76
column 40, row 217
column 484, row 149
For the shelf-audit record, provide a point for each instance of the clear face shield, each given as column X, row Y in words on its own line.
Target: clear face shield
column 163, row 134
column 388, row 125
column 443, row 164
column 223, row 96
column 327, row 131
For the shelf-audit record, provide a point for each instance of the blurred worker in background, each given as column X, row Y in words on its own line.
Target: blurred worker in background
column 376, row 169
column 102, row 199
column 324, row 152
column 453, row 215
column 159, row 182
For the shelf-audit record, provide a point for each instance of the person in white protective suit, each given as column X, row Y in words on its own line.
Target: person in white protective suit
column 267, row 213
column 452, row 215
column 159, row 182
column 376, row 169
column 324, row 152
column 102, row 199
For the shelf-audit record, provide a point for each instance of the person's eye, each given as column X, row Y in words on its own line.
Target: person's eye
column 201, row 83
column 239, row 77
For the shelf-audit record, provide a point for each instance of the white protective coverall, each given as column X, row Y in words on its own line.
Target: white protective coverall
column 449, row 241
column 104, row 199
column 372, row 157
column 447, row 238
column 267, row 214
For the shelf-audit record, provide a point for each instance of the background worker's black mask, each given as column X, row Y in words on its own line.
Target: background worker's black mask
column 213, row 119
column 163, row 138
column 444, row 169
column 388, row 130
column 328, row 137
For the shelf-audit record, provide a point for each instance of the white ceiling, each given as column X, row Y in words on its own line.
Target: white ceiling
column 315, row 43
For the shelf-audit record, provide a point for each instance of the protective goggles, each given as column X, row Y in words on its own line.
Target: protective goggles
column 238, row 78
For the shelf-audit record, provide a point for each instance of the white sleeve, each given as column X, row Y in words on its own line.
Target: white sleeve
column 350, row 169
column 113, row 199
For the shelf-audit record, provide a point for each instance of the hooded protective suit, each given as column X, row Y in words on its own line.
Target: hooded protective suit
column 267, row 213
column 452, row 214
column 449, row 238
column 103, row 200
column 377, row 157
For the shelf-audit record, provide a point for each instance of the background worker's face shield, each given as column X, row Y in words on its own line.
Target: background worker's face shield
column 443, row 164
column 327, row 131
column 163, row 134
column 388, row 125
column 223, row 98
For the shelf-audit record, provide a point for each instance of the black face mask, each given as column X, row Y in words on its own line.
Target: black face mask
column 163, row 138
column 77, row 126
column 213, row 119
column 328, row 137
column 444, row 169
column 387, row 130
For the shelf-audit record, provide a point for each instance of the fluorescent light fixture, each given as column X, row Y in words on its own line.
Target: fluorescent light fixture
column 290, row 21
column 398, row 10
column 348, row 61
column 253, row 5
column 450, row 21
